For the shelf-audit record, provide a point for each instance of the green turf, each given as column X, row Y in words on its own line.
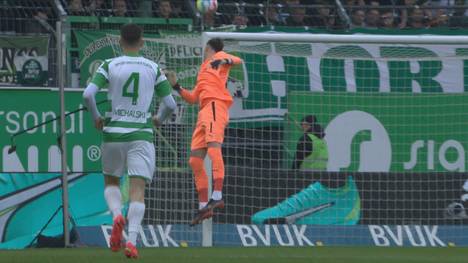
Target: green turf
column 244, row 255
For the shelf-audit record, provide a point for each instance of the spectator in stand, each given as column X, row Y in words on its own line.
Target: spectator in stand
column 440, row 16
column 322, row 17
column 182, row 9
column 120, row 8
column 439, row 20
column 41, row 18
column 373, row 18
column 290, row 6
column 231, row 15
column 372, row 3
column 255, row 12
column 165, row 10
column 404, row 16
column 387, row 19
column 459, row 17
column 440, row 7
column 273, row 15
column 75, row 8
column 41, row 14
column 239, row 17
column 373, row 14
column 297, row 17
column 240, row 20
column 464, row 3
column 292, row 3
column 351, row 5
column 98, row 8
column 403, row 21
column 417, row 19
column 17, row 16
column 209, row 20
column 399, row 15
column 358, row 18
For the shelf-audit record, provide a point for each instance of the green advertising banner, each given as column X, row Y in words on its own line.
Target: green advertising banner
column 24, row 60
column 271, row 71
column 37, row 150
column 95, row 47
column 398, row 132
column 180, row 52
column 275, row 70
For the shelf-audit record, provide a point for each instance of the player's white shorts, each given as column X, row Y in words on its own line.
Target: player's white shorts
column 137, row 156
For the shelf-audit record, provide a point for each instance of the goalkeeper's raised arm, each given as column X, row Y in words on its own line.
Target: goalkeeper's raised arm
column 212, row 78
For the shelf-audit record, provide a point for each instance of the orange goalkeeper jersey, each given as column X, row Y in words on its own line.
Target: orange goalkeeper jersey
column 211, row 83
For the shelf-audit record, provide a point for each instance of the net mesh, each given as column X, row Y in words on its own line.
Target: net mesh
column 336, row 140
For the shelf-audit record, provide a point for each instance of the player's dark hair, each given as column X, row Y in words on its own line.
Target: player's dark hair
column 315, row 128
column 131, row 34
column 309, row 119
column 216, row 44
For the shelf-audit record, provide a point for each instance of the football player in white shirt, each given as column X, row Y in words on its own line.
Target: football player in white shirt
column 127, row 129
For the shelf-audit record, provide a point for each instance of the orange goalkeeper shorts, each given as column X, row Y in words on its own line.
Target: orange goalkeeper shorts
column 212, row 120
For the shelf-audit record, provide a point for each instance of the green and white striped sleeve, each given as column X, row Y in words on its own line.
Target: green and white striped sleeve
column 101, row 77
column 162, row 86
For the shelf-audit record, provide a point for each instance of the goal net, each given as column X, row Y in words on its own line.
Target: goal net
column 332, row 140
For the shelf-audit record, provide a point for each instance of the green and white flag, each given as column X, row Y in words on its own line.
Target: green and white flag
column 24, row 60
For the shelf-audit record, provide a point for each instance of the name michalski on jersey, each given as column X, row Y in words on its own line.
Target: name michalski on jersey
column 131, row 113
column 134, row 63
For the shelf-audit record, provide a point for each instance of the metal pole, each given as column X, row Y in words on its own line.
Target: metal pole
column 343, row 14
column 61, row 63
column 207, row 225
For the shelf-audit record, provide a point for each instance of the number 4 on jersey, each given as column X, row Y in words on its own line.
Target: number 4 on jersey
column 133, row 80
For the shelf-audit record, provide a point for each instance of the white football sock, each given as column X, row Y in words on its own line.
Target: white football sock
column 113, row 199
column 217, row 195
column 136, row 211
column 201, row 205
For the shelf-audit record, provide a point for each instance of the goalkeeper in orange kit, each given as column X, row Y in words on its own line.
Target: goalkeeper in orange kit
column 214, row 100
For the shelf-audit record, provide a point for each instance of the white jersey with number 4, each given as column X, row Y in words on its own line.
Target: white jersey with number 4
column 131, row 83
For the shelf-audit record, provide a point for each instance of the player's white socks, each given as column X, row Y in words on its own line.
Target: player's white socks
column 113, row 199
column 217, row 195
column 136, row 211
column 201, row 205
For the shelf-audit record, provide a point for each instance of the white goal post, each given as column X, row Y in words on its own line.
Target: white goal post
column 331, row 38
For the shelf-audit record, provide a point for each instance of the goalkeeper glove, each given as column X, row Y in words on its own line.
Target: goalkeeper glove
column 177, row 87
column 218, row 62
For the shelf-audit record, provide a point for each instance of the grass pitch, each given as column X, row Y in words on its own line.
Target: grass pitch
column 244, row 255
